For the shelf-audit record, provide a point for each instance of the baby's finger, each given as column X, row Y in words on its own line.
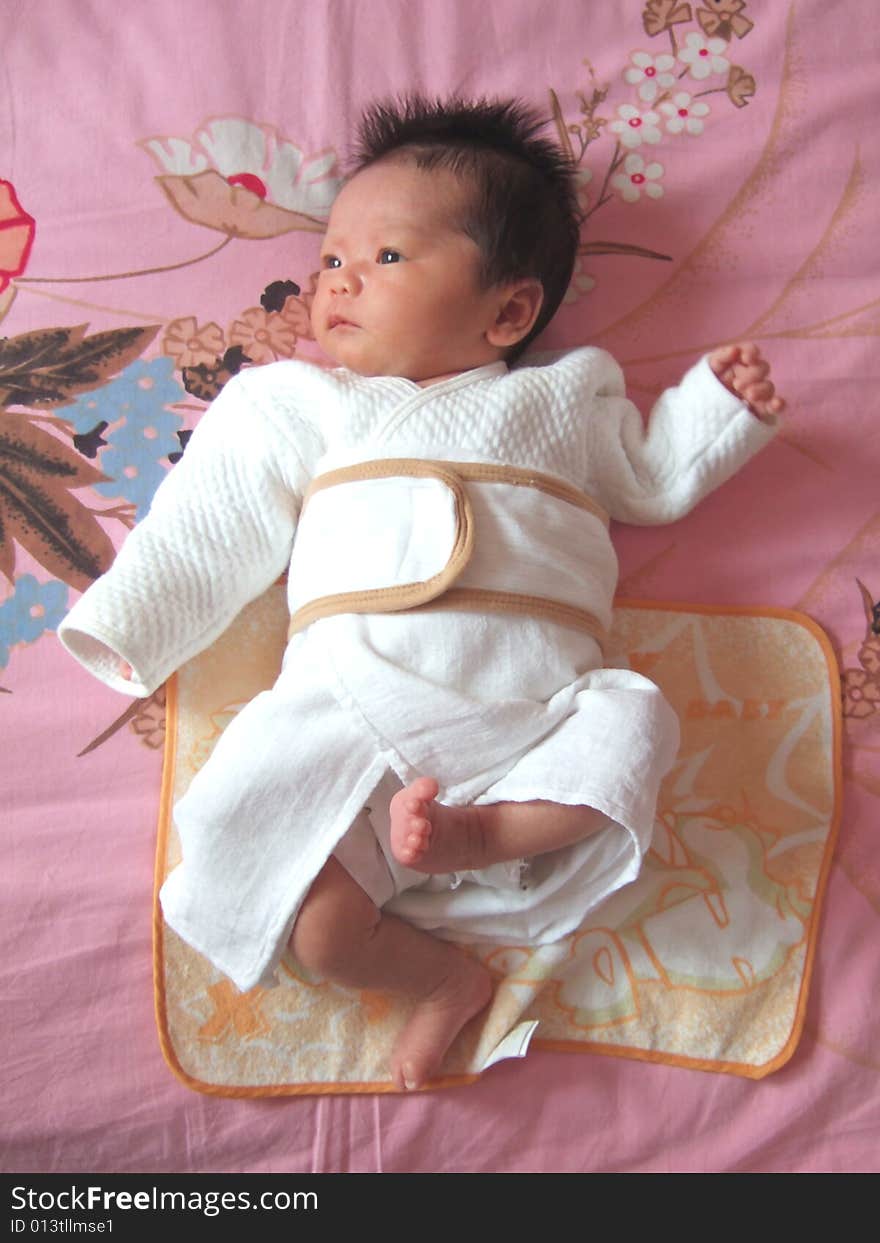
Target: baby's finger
column 766, row 405
column 759, row 391
column 723, row 357
column 753, row 373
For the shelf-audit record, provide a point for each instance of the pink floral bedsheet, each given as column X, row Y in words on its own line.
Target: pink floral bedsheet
column 163, row 180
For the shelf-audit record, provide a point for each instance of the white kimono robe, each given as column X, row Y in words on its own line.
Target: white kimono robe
column 496, row 708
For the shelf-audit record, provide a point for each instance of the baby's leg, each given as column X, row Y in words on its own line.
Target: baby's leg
column 341, row 933
column 428, row 836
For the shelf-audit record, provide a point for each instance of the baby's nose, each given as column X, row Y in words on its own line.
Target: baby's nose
column 345, row 279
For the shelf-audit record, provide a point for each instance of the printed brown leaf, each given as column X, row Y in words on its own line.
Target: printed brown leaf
column 659, row 15
column 37, row 510
column 7, row 551
column 740, row 86
column 50, row 366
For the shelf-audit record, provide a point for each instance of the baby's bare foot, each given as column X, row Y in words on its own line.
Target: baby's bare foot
column 411, row 826
column 436, row 1022
column 431, row 837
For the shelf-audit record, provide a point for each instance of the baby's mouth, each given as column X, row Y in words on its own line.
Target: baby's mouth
column 339, row 321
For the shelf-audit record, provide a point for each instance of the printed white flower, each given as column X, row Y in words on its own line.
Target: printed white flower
column 251, row 158
column 581, row 283
column 704, row 56
column 651, row 74
column 633, row 127
column 638, row 178
column 582, row 179
column 682, row 112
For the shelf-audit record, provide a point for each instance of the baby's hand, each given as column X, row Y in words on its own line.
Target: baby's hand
column 125, row 670
column 743, row 369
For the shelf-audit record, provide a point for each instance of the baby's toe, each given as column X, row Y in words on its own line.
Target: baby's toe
column 425, row 789
column 418, row 837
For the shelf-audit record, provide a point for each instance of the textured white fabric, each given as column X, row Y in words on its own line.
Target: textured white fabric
column 494, row 708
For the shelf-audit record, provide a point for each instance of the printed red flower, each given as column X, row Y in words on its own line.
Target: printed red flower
column 16, row 235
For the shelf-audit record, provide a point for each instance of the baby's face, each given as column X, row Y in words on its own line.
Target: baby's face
column 399, row 291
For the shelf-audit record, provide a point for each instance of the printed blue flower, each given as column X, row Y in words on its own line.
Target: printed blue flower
column 136, row 448
column 142, row 387
column 31, row 610
column 133, row 456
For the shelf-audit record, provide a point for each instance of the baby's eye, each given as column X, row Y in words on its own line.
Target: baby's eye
column 331, row 261
column 390, row 256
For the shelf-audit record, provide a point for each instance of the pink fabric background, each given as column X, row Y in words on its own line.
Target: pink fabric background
column 770, row 218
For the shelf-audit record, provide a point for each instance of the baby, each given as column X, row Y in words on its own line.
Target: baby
column 444, row 520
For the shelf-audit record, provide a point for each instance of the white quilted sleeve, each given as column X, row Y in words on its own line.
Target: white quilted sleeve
column 697, row 435
column 219, row 531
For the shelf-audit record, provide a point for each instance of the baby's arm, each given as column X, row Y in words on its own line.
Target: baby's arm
column 219, row 531
column 744, row 371
column 697, row 435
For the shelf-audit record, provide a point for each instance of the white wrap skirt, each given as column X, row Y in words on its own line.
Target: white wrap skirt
column 495, row 708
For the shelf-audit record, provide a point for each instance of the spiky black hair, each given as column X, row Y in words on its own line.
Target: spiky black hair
column 522, row 212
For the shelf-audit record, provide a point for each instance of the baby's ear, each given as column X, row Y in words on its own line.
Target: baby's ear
column 518, row 308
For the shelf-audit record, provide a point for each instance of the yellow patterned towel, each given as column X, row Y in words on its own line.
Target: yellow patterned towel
column 703, row 962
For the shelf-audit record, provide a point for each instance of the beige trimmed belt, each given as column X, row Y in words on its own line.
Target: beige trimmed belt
column 438, row 592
